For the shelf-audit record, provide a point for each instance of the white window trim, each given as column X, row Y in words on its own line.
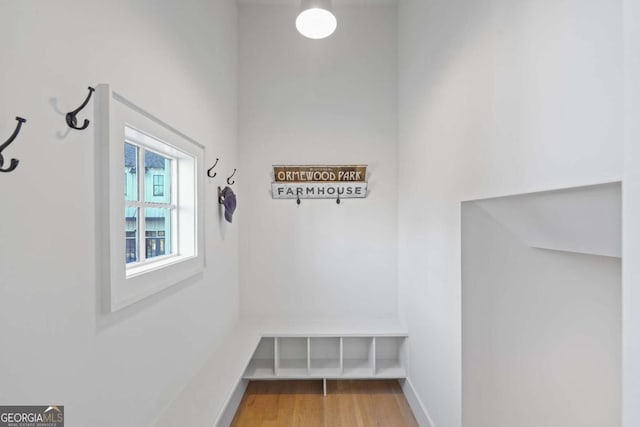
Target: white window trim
column 119, row 286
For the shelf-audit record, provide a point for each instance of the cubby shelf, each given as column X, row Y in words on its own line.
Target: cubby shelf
column 262, row 364
column 329, row 357
column 259, row 368
column 389, row 356
column 290, row 354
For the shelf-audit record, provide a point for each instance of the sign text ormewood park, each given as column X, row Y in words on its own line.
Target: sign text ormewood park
column 319, row 182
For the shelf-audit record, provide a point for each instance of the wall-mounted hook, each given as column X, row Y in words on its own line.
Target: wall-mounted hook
column 298, row 201
column 211, row 168
column 14, row 162
column 338, row 200
column 229, row 179
column 72, row 120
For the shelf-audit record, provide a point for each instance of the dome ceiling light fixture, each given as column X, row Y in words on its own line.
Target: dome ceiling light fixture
column 315, row 20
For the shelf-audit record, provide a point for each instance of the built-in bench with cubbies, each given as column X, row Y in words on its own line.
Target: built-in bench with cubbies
column 328, row 357
column 276, row 349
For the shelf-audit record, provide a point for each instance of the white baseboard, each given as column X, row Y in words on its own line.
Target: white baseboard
column 230, row 409
column 418, row 408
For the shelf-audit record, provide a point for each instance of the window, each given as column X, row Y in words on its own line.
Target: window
column 158, row 242
column 158, row 210
column 158, row 185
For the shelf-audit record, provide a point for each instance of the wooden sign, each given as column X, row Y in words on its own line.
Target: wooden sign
column 320, row 173
column 319, row 182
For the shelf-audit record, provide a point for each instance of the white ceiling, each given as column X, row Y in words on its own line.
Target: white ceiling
column 335, row 2
column 584, row 219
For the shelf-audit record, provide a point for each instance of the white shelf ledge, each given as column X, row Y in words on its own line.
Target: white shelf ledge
column 390, row 368
column 357, row 327
column 292, row 364
column 288, row 373
column 260, row 369
column 357, row 368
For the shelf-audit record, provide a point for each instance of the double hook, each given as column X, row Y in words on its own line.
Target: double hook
column 72, row 120
column 210, row 175
column 298, row 201
column 14, row 162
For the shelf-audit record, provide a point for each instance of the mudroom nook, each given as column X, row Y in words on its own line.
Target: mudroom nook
column 320, row 213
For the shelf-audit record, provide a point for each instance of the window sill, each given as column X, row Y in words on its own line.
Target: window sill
column 138, row 270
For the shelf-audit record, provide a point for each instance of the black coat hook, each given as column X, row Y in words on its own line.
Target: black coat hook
column 229, row 179
column 72, row 120
column 14, row 162
column 211, row 168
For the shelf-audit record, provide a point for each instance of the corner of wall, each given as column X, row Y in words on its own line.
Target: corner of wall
column 417, row 406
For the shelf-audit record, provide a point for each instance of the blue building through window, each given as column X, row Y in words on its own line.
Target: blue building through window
column 158, row 185
column 155, row 221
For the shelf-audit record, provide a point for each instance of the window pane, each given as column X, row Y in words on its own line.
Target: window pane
column 157, row 178
column 158, row 232
column 158, row 185
column 131, row 234
column 130, row 172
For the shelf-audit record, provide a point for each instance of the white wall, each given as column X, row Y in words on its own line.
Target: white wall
column 630, row 215
column 178, row 61
column 585, row 220
column 496, row 97
column 541, row 331
column 330, row 101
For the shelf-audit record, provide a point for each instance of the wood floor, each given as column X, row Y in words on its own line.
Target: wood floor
column 349, row 403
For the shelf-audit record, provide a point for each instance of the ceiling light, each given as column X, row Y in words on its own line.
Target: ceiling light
column 316, row 21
